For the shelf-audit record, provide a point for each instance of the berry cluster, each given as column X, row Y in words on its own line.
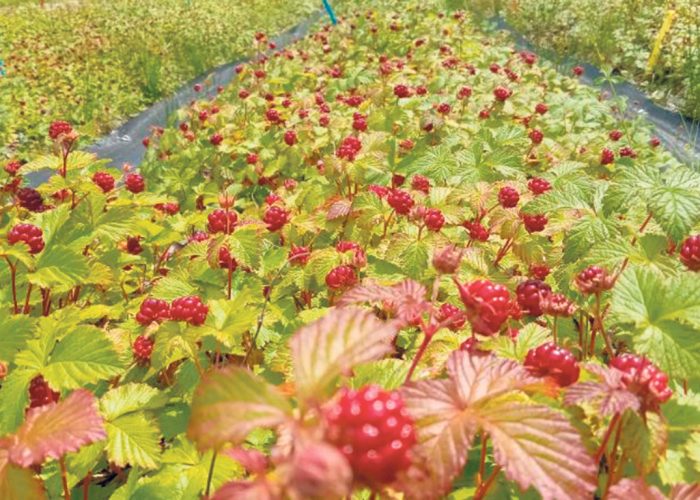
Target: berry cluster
column 142, row 349
column 690, row 252
column 104, row 180
column 29, row 234
column 550, row 360
column 401, row 201
column 530, row 294
column 153, row 310
column 643, row 378
column 349, row 148
column 40, row 393
column 341, row 277
column 222, row 221
column 488, row 305
column 189, row 309
column 275, row 217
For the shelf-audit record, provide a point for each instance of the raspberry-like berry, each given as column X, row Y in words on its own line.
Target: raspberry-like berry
column 226, row 260
column 434, row 220
column 541, row 108
column 628, row 152
column 644, row 379
column 534, row 223
column 444, row 108
column 455, row 316
column 142, row 349
column 134, row 182
column 40, row 393
column 615, row 135
column 133, row 245
column 153, row 310
column 198, row 236
column 577, row 70
column 538, row 186
column 12, row 167
column 222, row 221
column 59, row 128
column 360, row 124
column 298, row 255
column 216, row 139
column 508, row 197
column 273, row 115
column 502, row 93
column 654, row 142
column 290, row 137
column 349, row 148
column 607, row 156
column 488, row 305
column 550, row 360
column 464, row 93
column 373, row 430
column 345, row 246
column 272, row 198
column 529, row 295
column 397, row 180
column 402, row 91
column 251, row 159
column 170, row 208
column 104, row 181
column 539, row 271
column 275, row 217
column 690, row 252
column 341, row 277
column 30, row 199
column 420, row 183
column 556, row 304
column 476, row 231
column 380, row 191
column 594, row 279
column 536, row 136
column 190, row 309
column 401, row 201
column 29, row 234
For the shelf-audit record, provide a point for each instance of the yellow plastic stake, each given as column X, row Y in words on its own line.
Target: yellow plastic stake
column 658, row 43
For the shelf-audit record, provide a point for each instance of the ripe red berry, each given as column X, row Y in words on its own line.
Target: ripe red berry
column 251, row 159
column 607, row 156
column 476, row 231
column 226, row 260
column 550, row 360
column 190, row 309
column 216, row 139
column 170, row 208
column 434, row 220
column 444, row 108
column 222, row 221
column 374, row 432
column 380, row 191
column 464, row 93
column 275, row 217
column 539, row 271
column 536, row 136
column 654, row 142
column 690, row 252
column 577, row 70
column 455, row 316
column 538, row 186
column 299, row 255
column 529, row 294
column 142, row 349
column 594, row 279
column 488, row 305
column 134, row 182
column 615, row 135
column 30, row 199
column 12, row 167
column 420, row 183
column 290, row 137
column 133, row 245
column 508, row 197
column 153, row 310
column 349, row 148
column 643, row 378
column 59, row 128
column 534, row 223
column 401, row 201
column 397, row 180
column 29, row 234
column 341, row 277
column 626, row 151
column 502, row 93
column 40, row 392
column 541, row 108
column 402, row 91
column 273, row 115
column 104, row 181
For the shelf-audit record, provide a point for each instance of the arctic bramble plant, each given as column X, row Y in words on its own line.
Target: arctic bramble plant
column 420, row 298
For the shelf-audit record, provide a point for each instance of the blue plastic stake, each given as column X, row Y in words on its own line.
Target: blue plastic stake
column 329, row 9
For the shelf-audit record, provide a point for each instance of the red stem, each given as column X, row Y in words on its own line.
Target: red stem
column 421, row 351
column 64, row 478
column 25, row 309
column 484, row 488
column 606, row 438
column 13, row 279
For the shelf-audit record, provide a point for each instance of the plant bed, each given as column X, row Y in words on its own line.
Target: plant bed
column 398, row 256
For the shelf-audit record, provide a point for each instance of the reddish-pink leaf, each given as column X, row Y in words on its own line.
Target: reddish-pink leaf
column 16, row 483
column 537, row 446
column 333, row 345
column 338, row 209
column 53, row 430
column 259, row 489
column 635, row 489
column 405, row 300
column 228, row 404
column 609, row 396
column 252, row 460
column 445, row 433
column 685, row 492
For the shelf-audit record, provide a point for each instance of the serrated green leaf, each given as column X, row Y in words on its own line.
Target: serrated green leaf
column 14, row 333
column 130, row 398
column 133, row 439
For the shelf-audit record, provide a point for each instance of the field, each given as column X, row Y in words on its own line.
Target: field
column 398, row 258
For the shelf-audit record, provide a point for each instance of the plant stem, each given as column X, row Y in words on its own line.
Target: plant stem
column 230, row 279
column 86, row 486
column 13, row 279
column 606, row 438
column 421, row 351
column 484, row 488
column 612, row 461
column 599, row 326
column 503, row 251
column 554, row 329
column 482, row 459
column 210, row 475
column 64, row 478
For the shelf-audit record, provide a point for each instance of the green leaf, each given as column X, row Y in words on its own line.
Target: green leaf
column 14, row 399
column 84, row 357
column 228, row 320
column 17, row 483
column 14, row 333
column 676, row 209
column 414, row 259
column 134, row 439
column 131, row 398
column 59, row 268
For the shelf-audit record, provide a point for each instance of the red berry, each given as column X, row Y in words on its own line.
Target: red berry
column 290, row 137
column 190, row 309
column 534, row 223
column 222, row 221
column 434, row 220
column 299, row 256
column 421, row 183
column 397, row 180
column 607, row 156
column 216, row 139
column 12, row 167
column 615, row 135
column 170, row 208
column 502, row 93
column 104, row 181
column 536, row 136
column 654, row 142
column 346, row 246
column 380, row 191
column 476, row 231
column 133, row 245
column 594, row 279
column 464, row 93
column 541, row 108
column 29, row 234
column 198, row 236
column 508, row 197
column 628, row 152
column 226, row 260
column 59, row 128
column 401, row 201
column 402, row 91
column 690, row 252
column 142, row 349
column 341, row 277
column 251, row 159
column 556, row 304
column 529, row 293
column 349, row 148
column 538, row 186
column 539, row 271
column 30, row 199
column 134, row 182
column 643, row 378
column 373, row 430
column 273, row 115
column 577, row 70
column 488, row 305
column 40, row 393
column 452, row 314
column 153, row 310
column 550, row 360
column 444, row 108
column 275, row 217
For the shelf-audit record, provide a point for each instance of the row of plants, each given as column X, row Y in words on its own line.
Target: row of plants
column 396, row 257
column 620, row 36
column 97, row 62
